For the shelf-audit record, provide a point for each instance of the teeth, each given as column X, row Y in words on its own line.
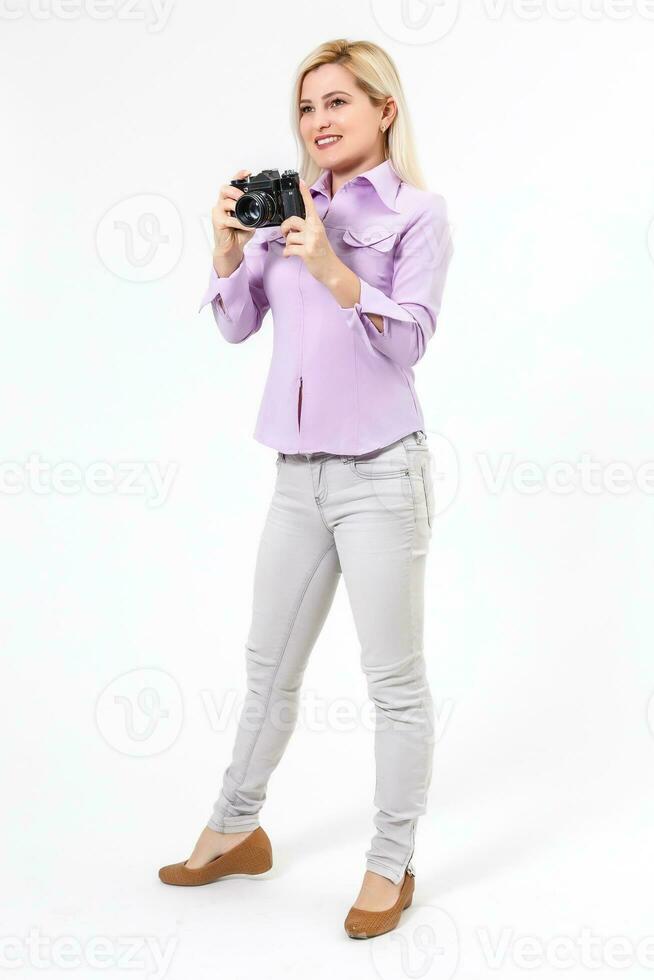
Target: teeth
column 327, row 139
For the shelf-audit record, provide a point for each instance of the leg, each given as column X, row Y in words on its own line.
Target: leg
column 296, row 575
column 382, row 544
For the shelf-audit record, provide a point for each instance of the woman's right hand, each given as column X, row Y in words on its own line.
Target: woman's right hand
column 229, row 234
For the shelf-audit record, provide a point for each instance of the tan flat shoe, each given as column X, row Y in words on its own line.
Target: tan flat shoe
column 363, row 924
column 252, row 856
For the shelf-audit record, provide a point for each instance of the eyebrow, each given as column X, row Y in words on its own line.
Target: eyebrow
column 327, row 94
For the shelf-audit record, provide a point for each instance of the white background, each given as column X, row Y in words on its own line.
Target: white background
column 535, row 123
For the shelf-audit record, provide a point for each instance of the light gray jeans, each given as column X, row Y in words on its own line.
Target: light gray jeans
column 369, row 517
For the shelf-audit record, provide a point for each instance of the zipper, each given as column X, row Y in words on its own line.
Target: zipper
column 299, row 406
column 409, row 865
column 410, row 870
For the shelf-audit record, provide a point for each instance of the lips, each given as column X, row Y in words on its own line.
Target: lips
column 330, row 140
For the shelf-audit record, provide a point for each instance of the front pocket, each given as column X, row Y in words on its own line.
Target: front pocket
column 375, row 469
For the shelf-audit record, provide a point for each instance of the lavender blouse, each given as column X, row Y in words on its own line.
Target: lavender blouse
column 357, row 384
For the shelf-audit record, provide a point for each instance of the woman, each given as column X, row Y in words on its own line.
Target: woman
column 355, row 288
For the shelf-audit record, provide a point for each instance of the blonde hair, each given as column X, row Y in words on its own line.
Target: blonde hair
column 375, row 73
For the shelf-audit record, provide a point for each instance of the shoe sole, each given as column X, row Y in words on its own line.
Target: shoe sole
column 233, row 874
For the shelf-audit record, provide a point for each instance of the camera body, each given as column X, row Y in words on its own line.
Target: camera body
column 268, row 198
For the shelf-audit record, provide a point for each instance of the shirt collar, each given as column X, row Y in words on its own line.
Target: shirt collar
column 382, row 178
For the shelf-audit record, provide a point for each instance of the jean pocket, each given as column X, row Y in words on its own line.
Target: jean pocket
column 382, row 466
column 375, row 470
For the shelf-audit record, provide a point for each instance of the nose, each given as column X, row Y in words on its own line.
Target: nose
column 321, row 122
column 322, row 130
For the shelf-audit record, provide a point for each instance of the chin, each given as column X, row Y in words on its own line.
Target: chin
column 325, row 158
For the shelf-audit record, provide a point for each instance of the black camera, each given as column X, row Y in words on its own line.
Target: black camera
column 268, row 198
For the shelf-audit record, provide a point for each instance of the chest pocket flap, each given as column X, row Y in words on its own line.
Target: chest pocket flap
column 381, row 239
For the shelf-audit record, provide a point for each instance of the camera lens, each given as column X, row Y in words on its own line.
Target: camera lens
column 254, row 209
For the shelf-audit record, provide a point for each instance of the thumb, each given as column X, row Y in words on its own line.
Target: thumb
column 309, row 206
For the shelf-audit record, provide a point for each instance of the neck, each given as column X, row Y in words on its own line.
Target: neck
column 340, row 177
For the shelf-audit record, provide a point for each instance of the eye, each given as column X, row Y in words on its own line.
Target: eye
column 337, row 99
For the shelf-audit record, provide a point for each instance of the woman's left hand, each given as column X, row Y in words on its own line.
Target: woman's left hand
column 307, row 238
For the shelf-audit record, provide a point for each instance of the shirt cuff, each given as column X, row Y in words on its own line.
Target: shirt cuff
column 233, row 290
column 373, row 300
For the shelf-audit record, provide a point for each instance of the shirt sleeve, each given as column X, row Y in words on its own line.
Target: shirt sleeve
column 409, row 314
column 239, row 302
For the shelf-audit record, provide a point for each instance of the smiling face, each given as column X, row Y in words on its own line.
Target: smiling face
column 332, row 104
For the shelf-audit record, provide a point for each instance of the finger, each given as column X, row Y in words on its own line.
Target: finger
column 231, row 192
column 227, row 206
column 226, row 212
column 228, row 190
column 229, row 221
column 293, row 223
